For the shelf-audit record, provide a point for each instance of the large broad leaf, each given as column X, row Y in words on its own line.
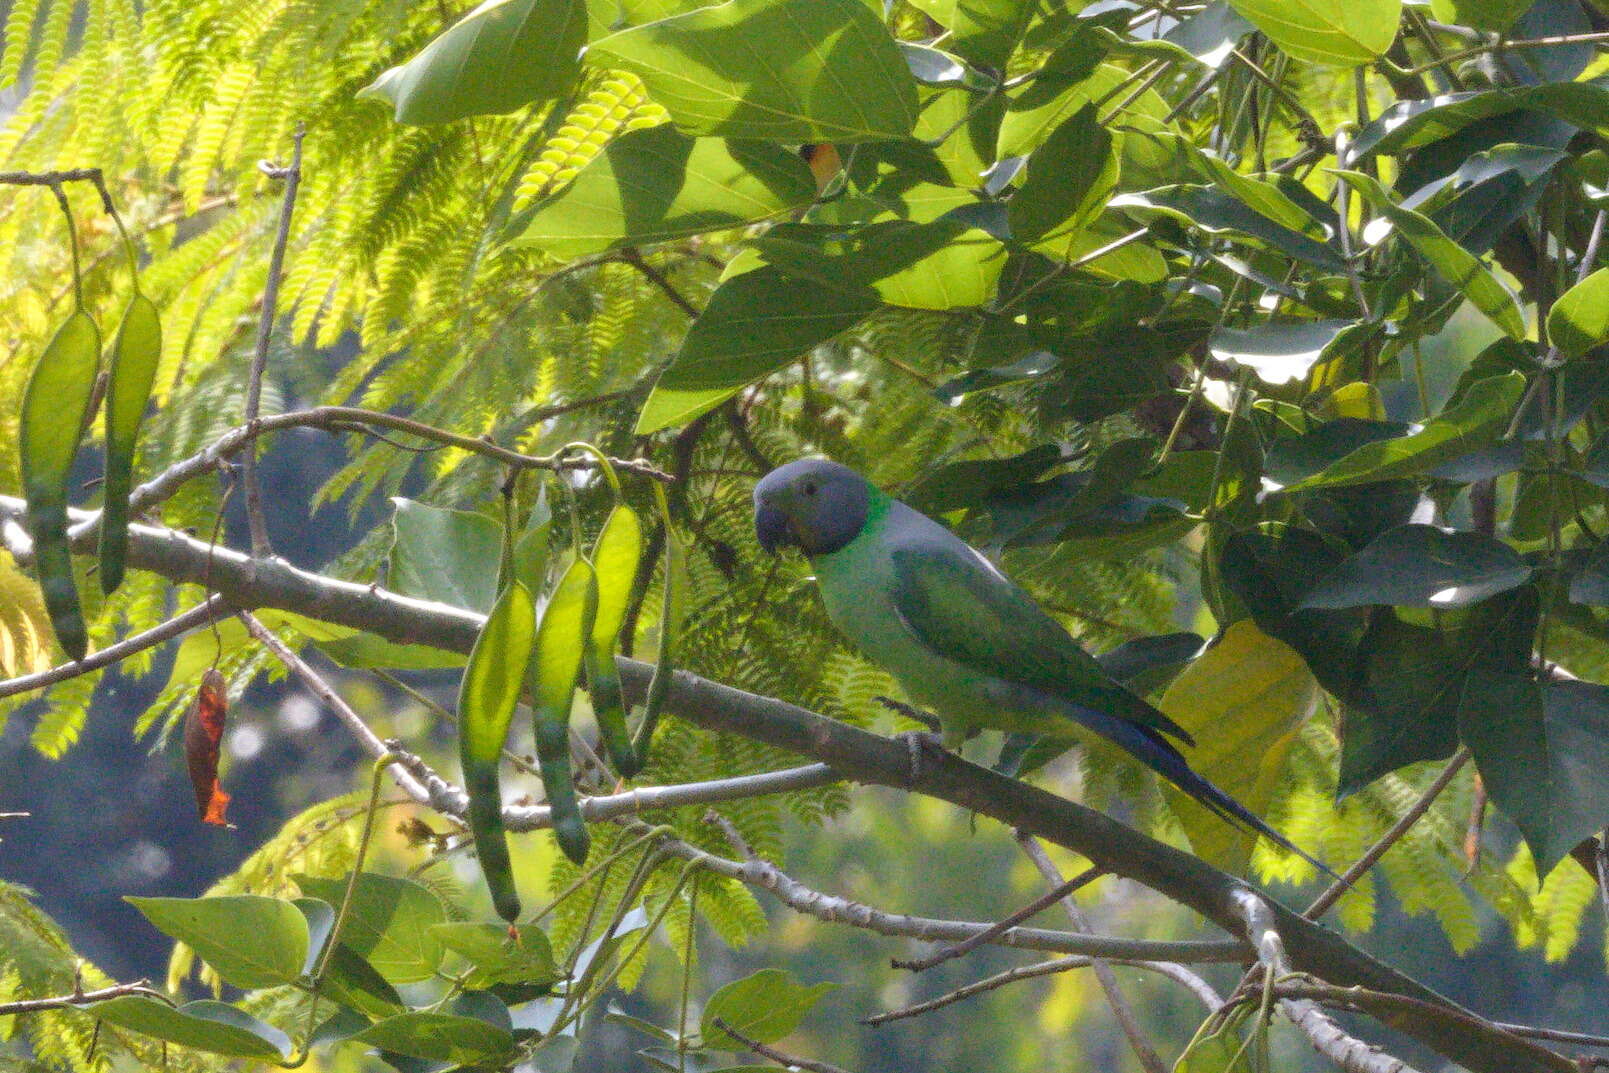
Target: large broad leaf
column 1402, row 704
column 1410, row 124
column 1543, row 751
column 216, row 1027
column 389, row 923
column 765, row 1006
column 1473, row 422
column 449, row 556
column 658, row 184
column 440, row 1037
column 957, row 485
column 1281, row 351
column 984, row 31
column 504, row 54
column 1069, row 180
column 1494, row 15
column 1450, row 260
column 1422, row 566
column 754, row 324
column 1218, row 212
column 1244, row 700
column 1037, row 110
column 252, row 941
column 1579, row 320
column 498, row 959
column 1341, row 32
column 781, row 70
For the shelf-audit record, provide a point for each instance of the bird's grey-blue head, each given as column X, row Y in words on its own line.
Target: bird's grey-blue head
column 812, row 504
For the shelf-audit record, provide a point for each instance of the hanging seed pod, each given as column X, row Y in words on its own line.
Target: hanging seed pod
column 670, row 622
column 555, row 664
column 54, row 411
column 135, row 355
column 486, row 699
column 614, row 558
column 203, row 742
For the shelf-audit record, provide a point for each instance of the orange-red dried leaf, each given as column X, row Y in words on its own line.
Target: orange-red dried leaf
column 203, row 737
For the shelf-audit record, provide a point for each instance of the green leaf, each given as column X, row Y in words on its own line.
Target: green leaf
column 135, row 354
column 778, row 70
column 449, row 556
column 1542, row 750
column 1410, row 124
column 487, row 695
column 502, row 55
column 1344, row 33
column 440, row 1037
column 1218, row 212
column 1244, row 700
column 1208, row 37
column 957, row 485
column 754, row 324
column 1069, row 179
column 55, row 406
column 765, row 1006
column 350, row 980
column 1579, row 320
column 1401, row 699
column 1473, row 422
column 388, row 924
column 984, row 31
column 1280, row 352
column 496, row 959
column 252, row 941
column 1036, row 111
column 1454, row 263
column 1493, row 15
column 216, row 1027
column 1422, row 566
column 658, row 184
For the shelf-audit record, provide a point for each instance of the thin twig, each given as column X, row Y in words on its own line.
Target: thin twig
column 1525, row 42
column 1033, row 908
column 260, row 546
column 82, row 998
column 51, row 178
column 1323, row 902
column 653, row 275
column 200, row 615
column 1198, row 987
column 1127, row 1020
column 1554, row 1035
column 368, row 739
column 780, row 1057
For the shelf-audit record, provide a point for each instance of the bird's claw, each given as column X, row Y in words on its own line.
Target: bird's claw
column 919, row 744
column 899, row 707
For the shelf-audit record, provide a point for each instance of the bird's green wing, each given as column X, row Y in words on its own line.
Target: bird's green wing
column 961, row 607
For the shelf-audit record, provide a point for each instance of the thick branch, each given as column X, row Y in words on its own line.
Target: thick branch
column 855, row 754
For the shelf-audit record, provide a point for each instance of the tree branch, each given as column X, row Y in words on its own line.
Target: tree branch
column 853, row 753
column 789, row 1060
column 81, row 998
column 1034, row 908
column 200, row 615
column 1121, row 1009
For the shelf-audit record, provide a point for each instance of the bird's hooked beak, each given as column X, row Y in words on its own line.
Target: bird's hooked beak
column 772, row 529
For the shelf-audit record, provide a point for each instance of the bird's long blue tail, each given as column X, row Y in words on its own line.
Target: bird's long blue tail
column 1156, row 752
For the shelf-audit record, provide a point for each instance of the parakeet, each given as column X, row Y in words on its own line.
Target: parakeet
column 959, row 636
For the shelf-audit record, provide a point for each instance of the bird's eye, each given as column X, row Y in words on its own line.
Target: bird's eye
column 809, row 488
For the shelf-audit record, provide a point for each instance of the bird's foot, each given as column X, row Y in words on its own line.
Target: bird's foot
column 919, row 745
column 899, row 707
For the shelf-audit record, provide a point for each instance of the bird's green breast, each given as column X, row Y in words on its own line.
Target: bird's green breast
column 857, row 583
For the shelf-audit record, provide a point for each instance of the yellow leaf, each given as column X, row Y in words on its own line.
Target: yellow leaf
column 1243, row 700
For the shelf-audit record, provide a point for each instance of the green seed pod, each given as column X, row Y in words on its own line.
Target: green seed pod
column 614, row 559
column 486, row 699
column 135, row 355
column 561, row 640
column 55, row 407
